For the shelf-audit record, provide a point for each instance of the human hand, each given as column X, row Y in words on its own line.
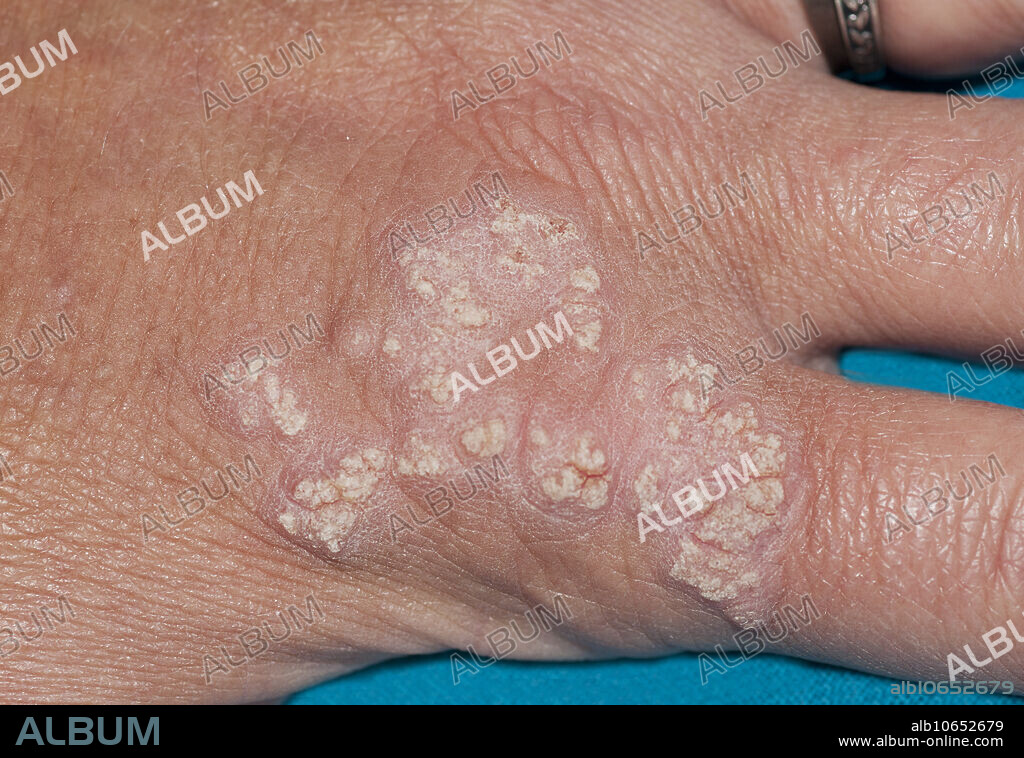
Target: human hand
column 131, row 421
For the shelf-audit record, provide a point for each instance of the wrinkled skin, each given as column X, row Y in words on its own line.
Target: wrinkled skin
column 112, row 423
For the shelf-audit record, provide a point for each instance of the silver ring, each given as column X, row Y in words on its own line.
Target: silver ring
column 850, row 35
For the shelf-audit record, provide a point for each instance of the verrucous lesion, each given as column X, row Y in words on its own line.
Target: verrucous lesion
column 717, row 552
column 325, row 509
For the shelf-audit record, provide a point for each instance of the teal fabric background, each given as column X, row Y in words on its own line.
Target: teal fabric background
column 763, row 679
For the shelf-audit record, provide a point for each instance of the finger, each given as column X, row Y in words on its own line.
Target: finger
column 835, row 504
column 923, row 37
column 891, row 223
column 949, row 37
column 912, row 543
column 896, row 226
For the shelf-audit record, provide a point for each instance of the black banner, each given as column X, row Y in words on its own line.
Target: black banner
column 265, row 727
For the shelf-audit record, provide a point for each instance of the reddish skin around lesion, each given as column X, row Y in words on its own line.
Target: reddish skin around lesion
column 116, row 422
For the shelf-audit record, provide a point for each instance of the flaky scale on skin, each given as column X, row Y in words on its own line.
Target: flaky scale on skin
column 266, row 403
column 426, row 455
column 485, row 438
column 566, row 464
column 621, row 449
column 488, row 282
column 324, row 498
column 455, row 295
column 722, row 547
column 260, row 387
column 324, row 509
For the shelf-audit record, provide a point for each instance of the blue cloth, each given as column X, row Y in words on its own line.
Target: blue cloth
column 676, row 680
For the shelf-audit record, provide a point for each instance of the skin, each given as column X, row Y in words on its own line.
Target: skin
column 113, row 423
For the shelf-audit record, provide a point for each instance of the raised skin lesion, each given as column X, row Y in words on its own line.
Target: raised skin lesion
column 325, row 509
column 582, row 480
column 719, row 555
column 450, row 301
column 459, row 296
column 266, row 402
column 732, row 509
column 485, row 439
column 284, row 408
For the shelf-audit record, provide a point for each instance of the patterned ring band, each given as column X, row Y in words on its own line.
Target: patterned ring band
column 849, row 32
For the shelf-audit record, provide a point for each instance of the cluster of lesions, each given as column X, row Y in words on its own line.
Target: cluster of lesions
column 712, row 481
column 324, row 509
column 454, row 299
column 569, row 467
column 265, row 402
column 430, row 454
column 485, row 284
column 518, row 267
